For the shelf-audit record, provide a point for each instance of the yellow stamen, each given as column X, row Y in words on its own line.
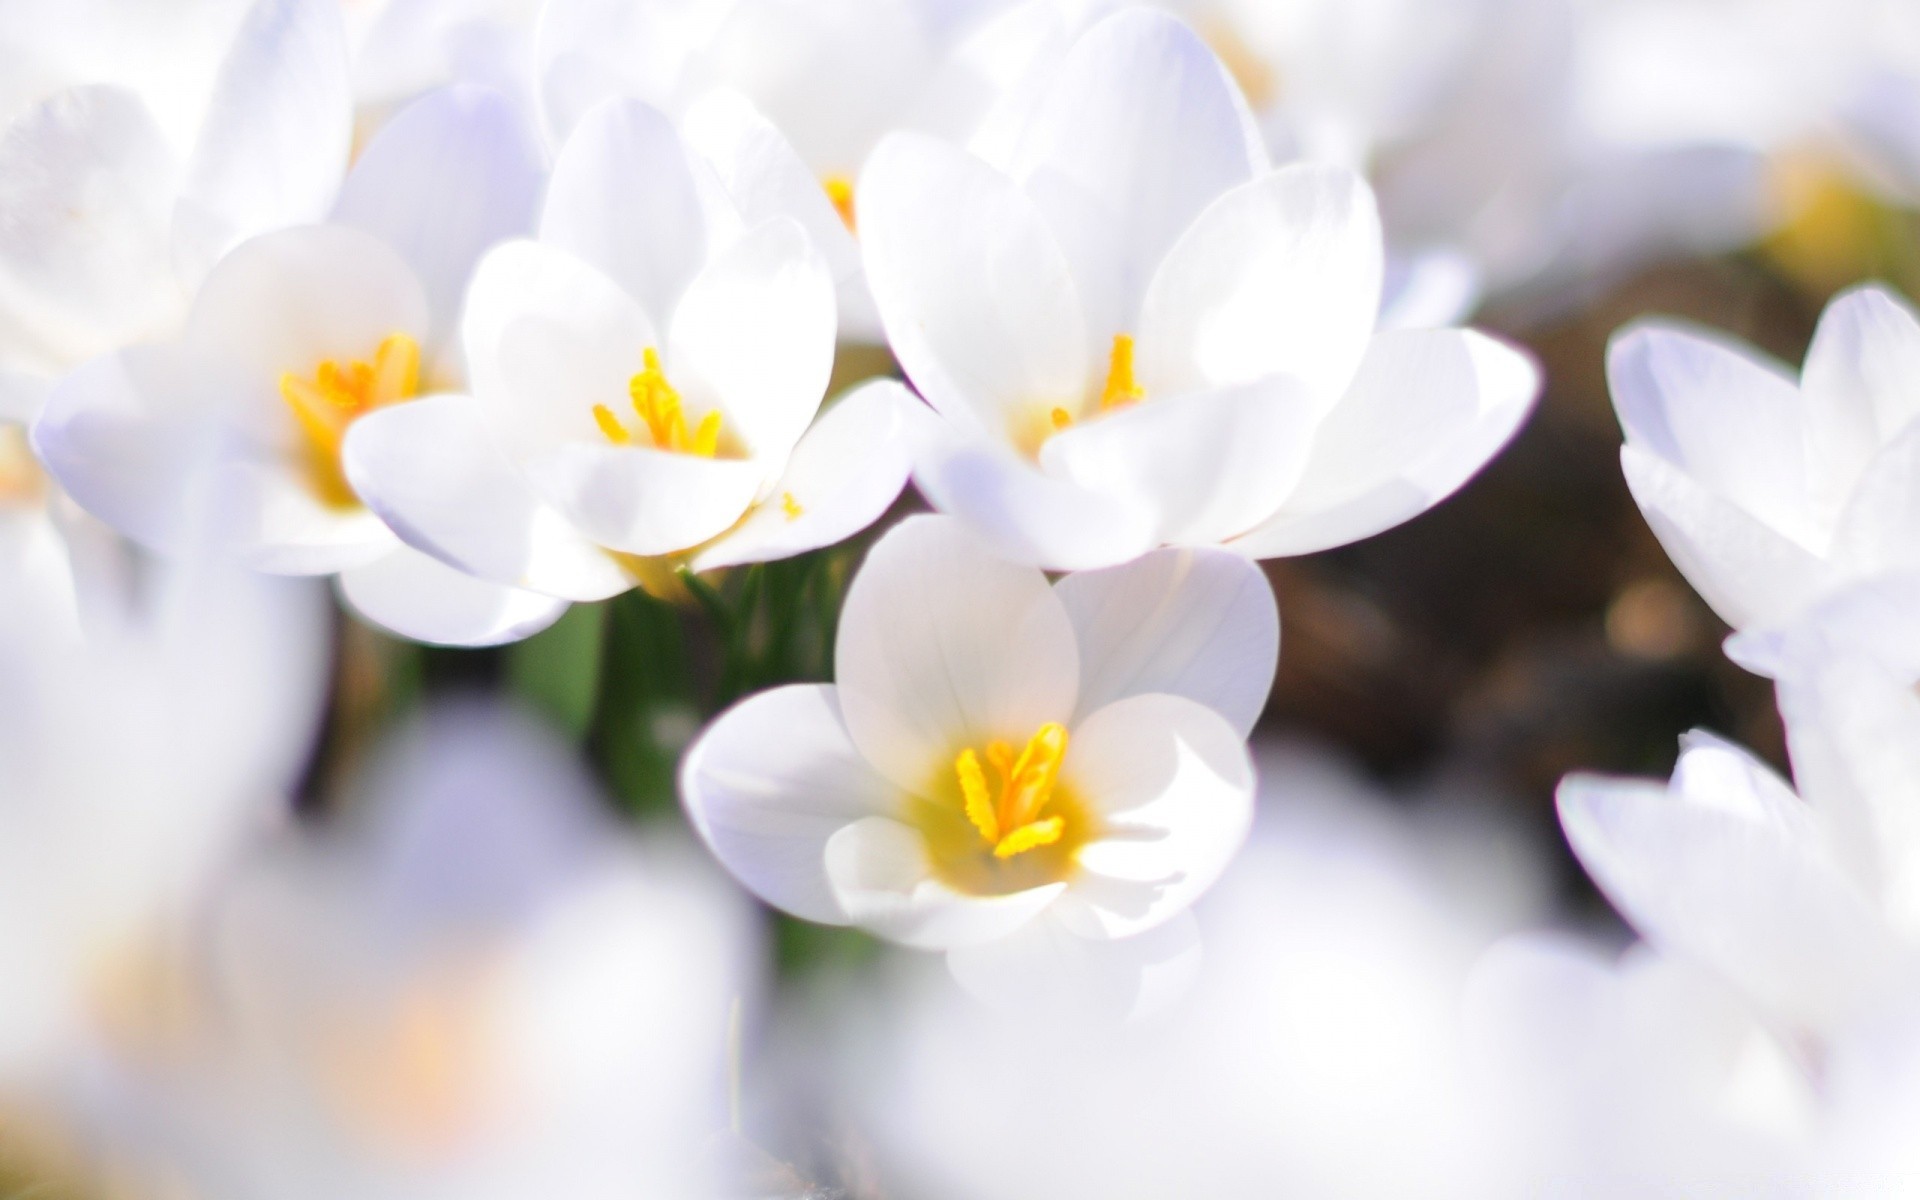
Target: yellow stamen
column 663, row 416
column 1061, row 418
column 1012, row 824
column 790, row 506
column 1030, row 837
column 325, row 405
column 840, row 192
column 1121, row 387
column 973, row 792
column 610, row 425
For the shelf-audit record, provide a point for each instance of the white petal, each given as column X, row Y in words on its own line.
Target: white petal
column 1171, row 786
column 1026, row 514
column 943, row 645
column 847, row 471
column 1208, row 465
column 1763, row 908
column 767, row 178
column 754, row 335
column 1195, row 623
column 445, row 179
column 1280, row 276
column 112, row 433
column 882, row 879
column 1746, row 570
column 769, row 782
column 1880, row 527
column 1046, row 970
column 975, row 294
column 1862, row 366
column 622, row 197
column 1715, row 773
column 288, row 300
column 1121, row 168
column 1431, row 289
column 587, row 50
column 422, row 598
column 432, row 472
column 639, row 500
column 85, row 265
column 274, row 143
column 1721, row 414
column 1426, row 411
column 547, row 337
column 264, row 510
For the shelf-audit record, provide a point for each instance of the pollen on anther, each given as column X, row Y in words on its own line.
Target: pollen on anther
column 791, row 507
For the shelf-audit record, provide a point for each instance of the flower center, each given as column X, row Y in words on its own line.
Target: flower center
column 1120, row 389
column 336, row 396
column 1009, row 816
column 663, row 417
column 22, row 482
column 840, row 190
column 1001, row 820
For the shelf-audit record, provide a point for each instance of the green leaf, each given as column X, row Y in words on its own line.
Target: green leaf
column 557, row 671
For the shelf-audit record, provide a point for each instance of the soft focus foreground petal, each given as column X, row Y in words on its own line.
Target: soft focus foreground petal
column 1026, row 514
column 422, row 598
column 276, row 137
column 111, row 438
column 1280, row 276
column 623, row 198
column 769, row 782
column 639, row 500
column 1879, row 530
column 1863, row 366
column 85, row 265
column 433, row 473
column 1714, row 773
column 943, row 645
column 1121, row 167
column 547, row 337
column 1764, row 908
column 1427, row 410
column 882, row 879
column 1748, row 571
column 1195, row 623
column 1431, row 289
column 1209, row 465
column 1171, row 786
column 587, row 50
column 754, row 335
column 285, row 301
column 445, row 179
column 766, row 178
column 976, row 297
column 1722, row 415
column 1046, row 969
column 847, row 471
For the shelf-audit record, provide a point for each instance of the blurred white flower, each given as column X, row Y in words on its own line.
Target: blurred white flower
column 1142, row 335
column 645, row 381
column 1318, row 1053
column 1644, row 1076
column 230, row 437
column 1037, row 779
column 1766, row 491
column 478, row 987
column 140, row 142
column 149, row 720
column 404, row 48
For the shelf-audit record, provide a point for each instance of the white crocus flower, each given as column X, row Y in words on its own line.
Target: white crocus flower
column 475, row 987
column 1768, row 491
column 1038, row 779
column 785, row 99
column 1143, row 335
column 231, row 435
column 1728, row 868
column 140, row 144
column 645, row 380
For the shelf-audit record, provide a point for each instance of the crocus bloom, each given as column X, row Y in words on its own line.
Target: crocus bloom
column 1020, row 774
column 1768, row 491
column 231, row 437
column 476, row 988
column 643, row 376
column 1141, row 334
column 142, row 142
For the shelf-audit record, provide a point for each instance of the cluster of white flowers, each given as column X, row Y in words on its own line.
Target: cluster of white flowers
column 482, row 309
